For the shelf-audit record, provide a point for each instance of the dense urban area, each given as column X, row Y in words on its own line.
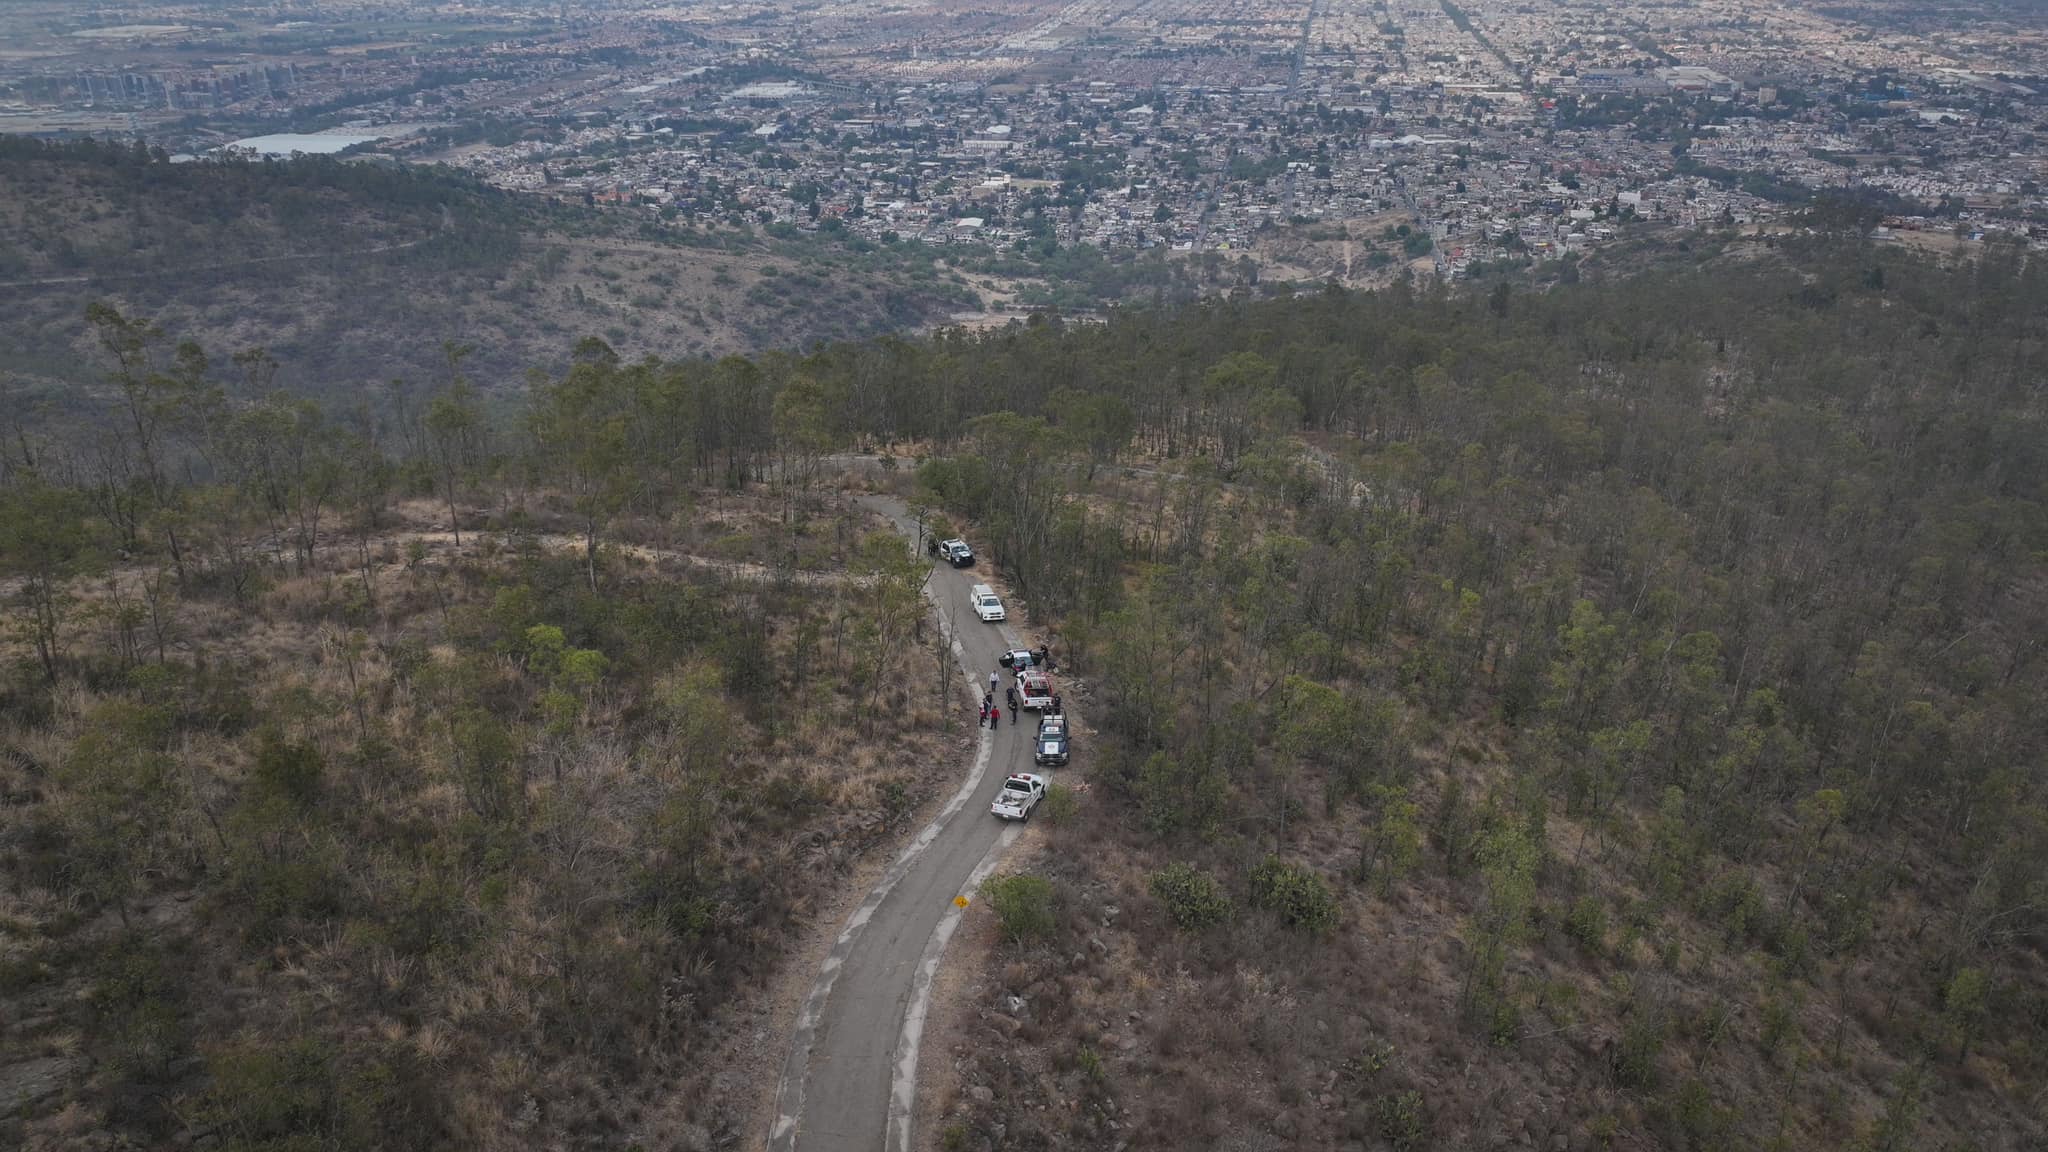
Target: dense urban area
column 1327, row 139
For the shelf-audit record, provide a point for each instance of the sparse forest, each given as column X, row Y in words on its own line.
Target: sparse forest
column 430, row 777
column 1599, row 718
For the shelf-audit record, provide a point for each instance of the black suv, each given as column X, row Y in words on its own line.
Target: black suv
column 1052, row 745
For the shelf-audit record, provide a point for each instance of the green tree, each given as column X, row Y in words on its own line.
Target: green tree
column 1102, row 422
column 46, row 543
column 891, row 596
column 1964, row 1004
column 1509, row 856
column 579, row 425
column 803, row 432
column 157, row 400
column 121, row 789
column 1819, row 814
column 1236, row 392
column 454, row 435
column 1587, row 667
column 1393, row 839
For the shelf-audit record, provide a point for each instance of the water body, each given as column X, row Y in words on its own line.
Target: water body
column 284, row 144
column 310, row 143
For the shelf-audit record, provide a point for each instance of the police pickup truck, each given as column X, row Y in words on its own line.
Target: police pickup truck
column 1021, row 793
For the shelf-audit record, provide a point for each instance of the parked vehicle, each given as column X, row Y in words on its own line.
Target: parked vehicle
column 1034, row 690
column 957, row 553
column 1053, row 743
column 987, row 604
column 1018, row 659
column 1021, row 793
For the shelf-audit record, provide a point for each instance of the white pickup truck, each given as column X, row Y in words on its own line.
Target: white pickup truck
column 1034, row 690
column 1021, row 793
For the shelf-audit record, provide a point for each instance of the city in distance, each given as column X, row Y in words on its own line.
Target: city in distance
column 935, row 575
column 1039, row 151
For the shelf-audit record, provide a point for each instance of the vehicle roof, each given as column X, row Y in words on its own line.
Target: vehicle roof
column 1033, row 678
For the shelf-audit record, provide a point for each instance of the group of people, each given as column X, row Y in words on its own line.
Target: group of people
column 992, row 712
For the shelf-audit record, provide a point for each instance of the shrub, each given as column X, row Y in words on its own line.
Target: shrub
column 1060, row 804
column 140, row 1030
column 288, row 770
column 1023, row 905
column 1778, row 1023
column 1737, row 903
column 1503, row 1020
column 1399, row 1115
column 1371, row 1062
column 1191, row 896
column 1296, row 893
column 284, row 1096
column 1642, row 1045
column 1586, row 924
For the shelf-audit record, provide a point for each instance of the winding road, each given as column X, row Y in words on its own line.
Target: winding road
column 849, row 1082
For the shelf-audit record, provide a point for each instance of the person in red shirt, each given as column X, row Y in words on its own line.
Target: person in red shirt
column 995, row 716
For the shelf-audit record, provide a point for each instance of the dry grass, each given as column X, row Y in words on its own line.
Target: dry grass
column 517, row 973
column 1252, row 1035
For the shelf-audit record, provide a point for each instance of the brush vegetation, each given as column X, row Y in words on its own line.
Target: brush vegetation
column 1606, row 716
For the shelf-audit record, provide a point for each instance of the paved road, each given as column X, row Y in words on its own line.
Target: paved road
column 849, row 1080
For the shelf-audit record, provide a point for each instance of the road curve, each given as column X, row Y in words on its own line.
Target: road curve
column 850, row 1078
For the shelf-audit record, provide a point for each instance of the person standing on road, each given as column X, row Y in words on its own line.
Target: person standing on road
column 993, row 680
column 995, row 717
column 1010, row 698
column 981, row 721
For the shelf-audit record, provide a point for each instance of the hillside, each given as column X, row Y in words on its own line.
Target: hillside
column 1603, row 718
column 351, row 274
column 403, row 843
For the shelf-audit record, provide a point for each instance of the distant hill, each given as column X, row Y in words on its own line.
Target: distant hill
column 352, row 273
